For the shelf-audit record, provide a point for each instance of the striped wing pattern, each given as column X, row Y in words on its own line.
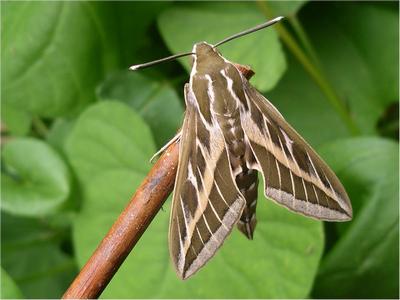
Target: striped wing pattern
column 294, row 175
column 231, row 131
column 206, row 200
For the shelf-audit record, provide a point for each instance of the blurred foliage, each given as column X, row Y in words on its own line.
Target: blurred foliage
column 78, row 130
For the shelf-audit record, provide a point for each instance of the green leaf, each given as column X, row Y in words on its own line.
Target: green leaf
column 135, row 20
column 280, row 262
column 363, row 72
column 109, row 135
column 53, row 64
column 184, row 25
column 155, row 101
column 35, row 179
column 383, row 26
column 32, row 256
column 364, row 263
column 9, row 289
column 16, row 121
column 285, row 8
column 59, row 132
column 57, row 137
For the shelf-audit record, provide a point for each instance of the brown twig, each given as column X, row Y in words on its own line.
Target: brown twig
column 130, row 225
column 127, row 229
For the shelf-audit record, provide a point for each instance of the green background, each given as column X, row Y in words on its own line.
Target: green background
column 78, row 130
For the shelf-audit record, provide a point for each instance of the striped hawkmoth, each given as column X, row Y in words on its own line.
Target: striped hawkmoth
column 230, row 133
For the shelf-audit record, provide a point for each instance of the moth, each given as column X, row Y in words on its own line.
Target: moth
column 230, row 133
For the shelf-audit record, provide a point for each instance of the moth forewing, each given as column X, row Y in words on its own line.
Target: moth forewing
column 206, row 201
column 294, row 174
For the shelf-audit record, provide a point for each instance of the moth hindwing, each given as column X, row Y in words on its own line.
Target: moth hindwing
column 230, row 132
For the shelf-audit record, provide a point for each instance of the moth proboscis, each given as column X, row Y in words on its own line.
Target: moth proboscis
column 230, row 133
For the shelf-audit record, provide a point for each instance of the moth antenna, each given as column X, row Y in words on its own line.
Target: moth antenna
column 256, row 28
column 155, row 62
column 169, row 58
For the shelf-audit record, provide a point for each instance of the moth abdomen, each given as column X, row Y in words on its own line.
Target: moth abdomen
column 247, row 181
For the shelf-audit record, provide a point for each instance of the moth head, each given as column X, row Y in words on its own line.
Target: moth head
column 205, row 56
column 204, row 49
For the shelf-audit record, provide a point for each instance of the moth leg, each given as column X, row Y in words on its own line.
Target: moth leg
column 175, row 139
